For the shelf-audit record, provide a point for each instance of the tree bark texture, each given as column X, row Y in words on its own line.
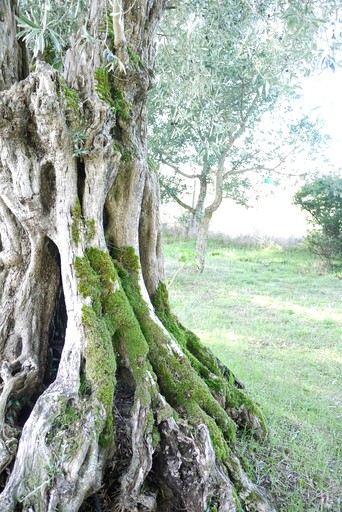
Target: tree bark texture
column 102, row 389
column 13, row 55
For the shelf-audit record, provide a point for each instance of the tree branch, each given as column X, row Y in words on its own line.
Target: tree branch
column 181, row 203
column 242, row 98
column 218, row 189
column 259, row 167
column 118, row 24
column 178, row 171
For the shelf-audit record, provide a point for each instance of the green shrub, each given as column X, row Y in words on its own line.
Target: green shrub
column 323, row 200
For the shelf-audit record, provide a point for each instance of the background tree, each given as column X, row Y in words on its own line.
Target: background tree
column 217, row 75
column 322, row 199
column 101, row 386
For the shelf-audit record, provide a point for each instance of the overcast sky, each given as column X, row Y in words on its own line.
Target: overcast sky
column 325, row 91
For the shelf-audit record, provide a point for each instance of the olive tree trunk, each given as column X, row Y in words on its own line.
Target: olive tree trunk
column 102, row 389
column 204, row 215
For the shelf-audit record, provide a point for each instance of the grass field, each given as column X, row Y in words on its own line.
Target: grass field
column 274, row 317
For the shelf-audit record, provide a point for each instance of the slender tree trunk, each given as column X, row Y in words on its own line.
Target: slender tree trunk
column 202, row 242
column 102, row 389
column 198, row 209
column 206, row 216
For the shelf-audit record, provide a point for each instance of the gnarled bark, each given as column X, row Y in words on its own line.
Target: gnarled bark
column 102, row 388
column 13, row 55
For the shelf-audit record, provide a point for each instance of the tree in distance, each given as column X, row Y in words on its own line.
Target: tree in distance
column 217, row 76
column 322, row 199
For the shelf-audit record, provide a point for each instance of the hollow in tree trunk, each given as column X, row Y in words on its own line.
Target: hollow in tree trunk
column 102, row 389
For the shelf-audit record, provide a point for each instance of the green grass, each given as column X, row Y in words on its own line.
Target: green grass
column 274, row 317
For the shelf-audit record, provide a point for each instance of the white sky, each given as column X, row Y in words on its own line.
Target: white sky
column 325, row 91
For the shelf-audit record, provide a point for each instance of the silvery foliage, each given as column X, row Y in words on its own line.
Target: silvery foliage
column 222, row 64
column 46, row 25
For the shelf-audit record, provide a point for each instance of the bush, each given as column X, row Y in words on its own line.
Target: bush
column 323, row 200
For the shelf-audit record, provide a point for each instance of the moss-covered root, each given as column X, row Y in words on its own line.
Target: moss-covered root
column 179, row 382
column 190, row 387
column 115, row 344
column 254, row 498
column 122, row 335
column 223, row 384
column 100, row 364
column 201, row 483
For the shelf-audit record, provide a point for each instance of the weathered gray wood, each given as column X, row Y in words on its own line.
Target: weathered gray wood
column 13, row 55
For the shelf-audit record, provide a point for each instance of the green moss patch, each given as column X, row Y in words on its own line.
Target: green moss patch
column 81, row 225
column 134, row 59
column 100, row 366
column 181, row 385
column 114, row 97
column 97, row 281
column 72, row 98
column 111, row 327
column 202, row 359
column 76, row 213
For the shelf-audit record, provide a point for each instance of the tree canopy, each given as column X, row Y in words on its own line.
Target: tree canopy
column 216, row 77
